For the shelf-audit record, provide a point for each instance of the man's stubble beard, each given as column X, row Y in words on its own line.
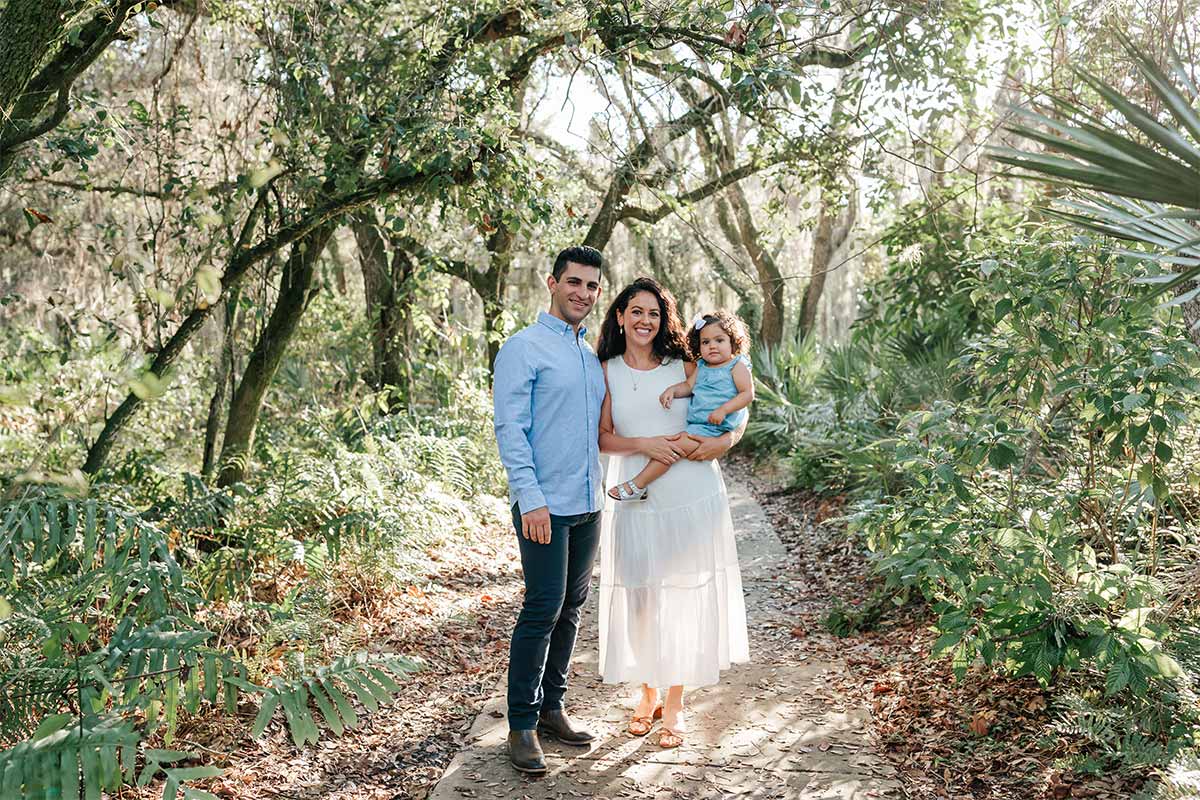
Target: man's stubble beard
column 567, row 310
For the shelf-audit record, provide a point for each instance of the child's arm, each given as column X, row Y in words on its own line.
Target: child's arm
column 681, row 389
column 744, row 383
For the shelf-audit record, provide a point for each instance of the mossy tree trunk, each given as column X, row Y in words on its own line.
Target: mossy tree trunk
column 833, row 229
column 297, row 287
column 29, row 30
column 387, row 285
column 40, row 62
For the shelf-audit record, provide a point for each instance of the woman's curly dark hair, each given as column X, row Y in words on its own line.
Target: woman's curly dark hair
column 669, row 342
column 733, row 326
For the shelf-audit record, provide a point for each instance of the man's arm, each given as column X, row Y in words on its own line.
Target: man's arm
column 512, row 398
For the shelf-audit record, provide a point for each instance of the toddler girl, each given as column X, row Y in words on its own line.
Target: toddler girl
column 720, row 387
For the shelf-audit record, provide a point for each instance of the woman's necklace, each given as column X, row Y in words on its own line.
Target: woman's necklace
column 633, row 372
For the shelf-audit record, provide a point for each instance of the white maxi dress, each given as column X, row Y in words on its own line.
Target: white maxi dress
column 671, row 605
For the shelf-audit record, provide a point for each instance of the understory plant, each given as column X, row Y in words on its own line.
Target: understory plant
column 128, row 607
column 1046, row 515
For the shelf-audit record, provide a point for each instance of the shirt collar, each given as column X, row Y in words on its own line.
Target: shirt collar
column 557, row 325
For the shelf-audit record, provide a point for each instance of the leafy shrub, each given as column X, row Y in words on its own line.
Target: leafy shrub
column 1035, row 514
column 785, row 379
column 103, row 651
column 107, row 611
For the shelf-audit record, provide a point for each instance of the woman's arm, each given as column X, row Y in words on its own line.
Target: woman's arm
column 657, row 448
column 718, row 446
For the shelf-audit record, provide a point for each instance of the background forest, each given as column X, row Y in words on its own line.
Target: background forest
column 256, row 259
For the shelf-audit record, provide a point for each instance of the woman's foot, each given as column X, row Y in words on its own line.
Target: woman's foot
column 647, row 710
column 673, row 725
column 669, row 739
column 628, row 491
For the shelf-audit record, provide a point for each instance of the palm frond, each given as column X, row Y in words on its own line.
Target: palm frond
column 1132, row 189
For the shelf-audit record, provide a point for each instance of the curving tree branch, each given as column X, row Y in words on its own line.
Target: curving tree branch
column 245, row 257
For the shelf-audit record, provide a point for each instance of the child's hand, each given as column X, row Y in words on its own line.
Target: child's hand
column 716, row 417
column 666, row 397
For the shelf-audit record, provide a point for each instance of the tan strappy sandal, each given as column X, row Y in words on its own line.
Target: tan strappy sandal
column 644, row 724
column 669, row 739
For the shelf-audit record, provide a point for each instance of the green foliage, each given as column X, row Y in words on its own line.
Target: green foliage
column 1150, row 156
column 1034, row 514
column 784, row 385
column 922, row 297
column 102, row 602
column 1022, row 457
column 844, row 619
column 368, row 679
column 101, row 622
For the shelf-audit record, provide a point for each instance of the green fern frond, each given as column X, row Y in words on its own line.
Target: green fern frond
column 68, row 758
column 369, row 679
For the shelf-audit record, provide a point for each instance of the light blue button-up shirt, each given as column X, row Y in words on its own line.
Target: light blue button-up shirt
column 547, row 395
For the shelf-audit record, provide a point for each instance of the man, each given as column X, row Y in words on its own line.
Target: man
column 548, row 390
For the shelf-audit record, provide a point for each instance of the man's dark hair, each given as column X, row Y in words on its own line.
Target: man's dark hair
column 580, row 254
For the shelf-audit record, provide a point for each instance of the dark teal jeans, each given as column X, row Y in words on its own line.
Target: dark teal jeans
column 557, row 576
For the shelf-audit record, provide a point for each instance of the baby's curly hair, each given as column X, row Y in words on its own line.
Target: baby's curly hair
column 734, row 328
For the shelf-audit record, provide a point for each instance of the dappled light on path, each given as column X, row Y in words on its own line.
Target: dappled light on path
column 777, row 727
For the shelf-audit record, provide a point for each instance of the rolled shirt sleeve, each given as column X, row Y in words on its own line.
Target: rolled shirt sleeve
column 515, row 375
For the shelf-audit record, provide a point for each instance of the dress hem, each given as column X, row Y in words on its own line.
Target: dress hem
column 707, row 680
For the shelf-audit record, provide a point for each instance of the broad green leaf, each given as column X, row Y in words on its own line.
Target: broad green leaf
column 326, row 708
column 270, row 702
column 51, row 725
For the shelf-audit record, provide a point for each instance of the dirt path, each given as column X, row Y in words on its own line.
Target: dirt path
column 775, row 728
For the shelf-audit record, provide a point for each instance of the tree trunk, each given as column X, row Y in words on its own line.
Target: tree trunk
column 832, row 231
column 491, row 286
column 297, row 287
column 1191, row 314
column 748, row 304
column 222, row 372
column 737, row 221
column 242, row 257
column 28, row 31
column 385, row 287
column 39, row 66
column 493, row 306
column 770, row 278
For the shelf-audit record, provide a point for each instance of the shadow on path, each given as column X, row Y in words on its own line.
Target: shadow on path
column 774, row 728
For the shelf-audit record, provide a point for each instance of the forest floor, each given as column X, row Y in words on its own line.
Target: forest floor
column 455, row 616
column 903, row 727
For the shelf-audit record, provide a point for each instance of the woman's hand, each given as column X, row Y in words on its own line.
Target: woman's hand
column 665, row 449
column 711, row 448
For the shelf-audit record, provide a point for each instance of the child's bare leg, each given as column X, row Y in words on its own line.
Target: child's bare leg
column 654, row 470
column 690, row 443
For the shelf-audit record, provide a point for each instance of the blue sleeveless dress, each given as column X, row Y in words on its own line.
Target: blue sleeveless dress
column 714, row 387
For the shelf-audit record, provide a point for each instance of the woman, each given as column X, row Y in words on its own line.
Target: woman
column 671, row 607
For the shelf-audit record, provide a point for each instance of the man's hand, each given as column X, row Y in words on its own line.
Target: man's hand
column 716, row 417
column 535, row 525
column 667, row 397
